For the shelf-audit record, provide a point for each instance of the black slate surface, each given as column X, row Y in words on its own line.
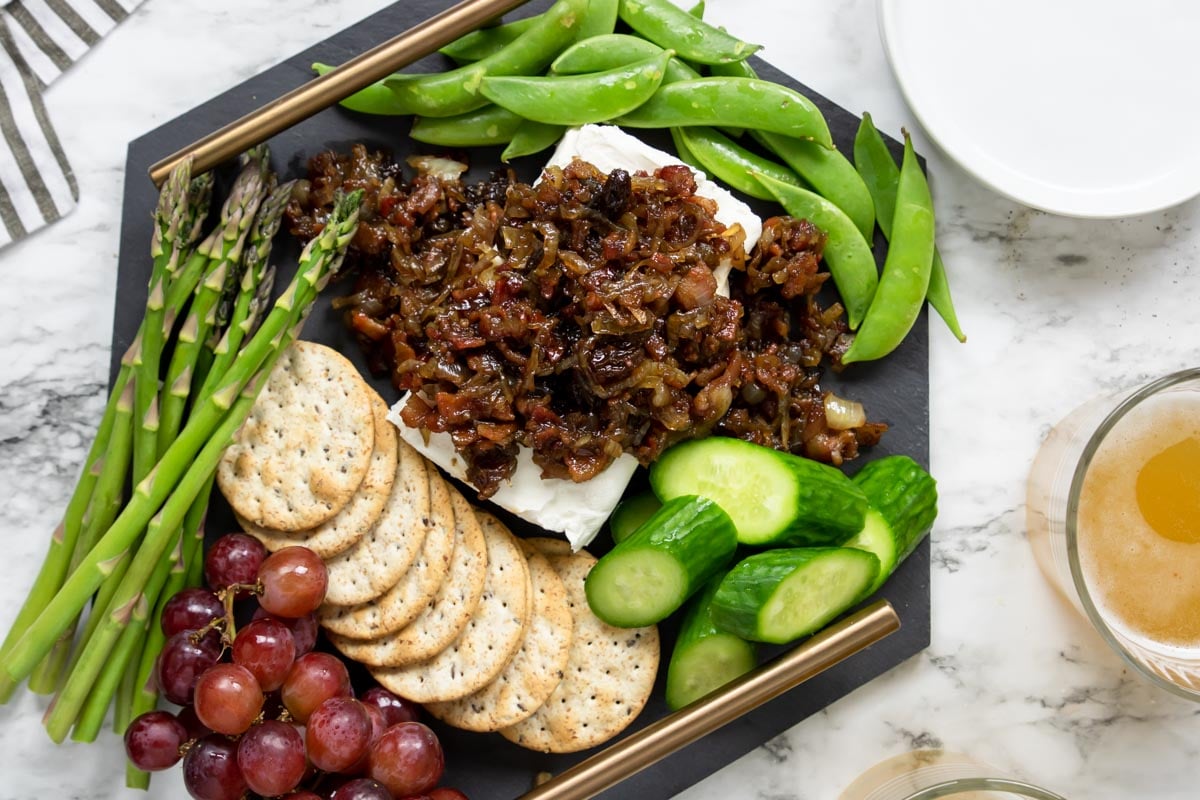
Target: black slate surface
column 895, row 391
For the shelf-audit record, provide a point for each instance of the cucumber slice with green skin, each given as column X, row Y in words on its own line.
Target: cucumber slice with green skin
column 647, row 577
column 773, row 498
column 781, row 595
column 705, row 657
column 631, row 513
column 903, row 499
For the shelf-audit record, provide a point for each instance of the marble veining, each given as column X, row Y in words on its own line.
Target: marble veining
column 1057, row 310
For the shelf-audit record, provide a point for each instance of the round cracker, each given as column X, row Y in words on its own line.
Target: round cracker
column 548, row 546
column 414, row 591
column 379, row 559
column 610, row 674
column 491, row 637
column 306, row 445
column 442, row 620
column 523, row 686
column 351, row 524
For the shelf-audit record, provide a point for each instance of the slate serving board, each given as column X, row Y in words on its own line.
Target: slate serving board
column 895, row 391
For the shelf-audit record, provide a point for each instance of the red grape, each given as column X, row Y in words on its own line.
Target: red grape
column 294, row 580
column 181, row 662
column 303, row 794
column 304, row 629
column 313, row 679
column 407, row 759
column 189, row 610
column 210, row 770
column 378, row 721
column 228, row 698
column 267, row 649
column 446, row 793
column 152, row 740
column 234, row 558
column 361, row 789
column 271, row 756
column 338, row 734
column 195, row 728
column 395, row 709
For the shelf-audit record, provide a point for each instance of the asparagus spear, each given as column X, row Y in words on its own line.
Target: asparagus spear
column 252, row 298
column 184, row 469
column 223, row 248
column 106, row 463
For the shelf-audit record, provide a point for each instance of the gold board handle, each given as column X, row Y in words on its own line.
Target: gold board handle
column 318, row 94
column 659, row 740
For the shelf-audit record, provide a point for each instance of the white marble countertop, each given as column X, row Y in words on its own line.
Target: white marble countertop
column 1056, row 309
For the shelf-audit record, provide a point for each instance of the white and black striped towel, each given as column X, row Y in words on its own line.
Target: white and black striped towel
column 39, row 40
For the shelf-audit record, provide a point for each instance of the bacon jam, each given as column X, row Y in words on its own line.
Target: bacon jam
column 580, row 316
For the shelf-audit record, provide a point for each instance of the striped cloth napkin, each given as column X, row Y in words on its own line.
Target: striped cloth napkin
column 39, row 40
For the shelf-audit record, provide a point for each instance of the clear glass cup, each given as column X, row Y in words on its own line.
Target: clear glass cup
column 1079, row 494
column 930, row 774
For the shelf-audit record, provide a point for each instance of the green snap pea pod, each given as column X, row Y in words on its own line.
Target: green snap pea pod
column 483, row 127
column 697, row 10
column 830, row 174
column 601, row 18
column 446, row 94
column 376, row 99
column 847, row 253
column 578, row 99
column 732, row 102
column 684, row 152
column 480, row 44
column 613, row 50
column 905, row 279
column 670, row 27
column 878, row 169
column 531, row 137
column 723, row 158
column 733, row 69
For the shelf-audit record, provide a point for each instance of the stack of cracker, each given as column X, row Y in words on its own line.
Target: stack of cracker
column 441, row 602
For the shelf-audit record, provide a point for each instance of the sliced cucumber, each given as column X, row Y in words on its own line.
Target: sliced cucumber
column 903, row 499
column 631, row 513
column 645, row 578
column 705, row 657
column 773, row 498
column 781, row 595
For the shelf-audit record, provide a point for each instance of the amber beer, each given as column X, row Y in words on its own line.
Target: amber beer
column 1113, row 512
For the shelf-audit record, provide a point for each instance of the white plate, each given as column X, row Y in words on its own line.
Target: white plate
column 1089, row 108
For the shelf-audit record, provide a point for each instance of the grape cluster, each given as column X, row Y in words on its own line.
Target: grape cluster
column 263, row 712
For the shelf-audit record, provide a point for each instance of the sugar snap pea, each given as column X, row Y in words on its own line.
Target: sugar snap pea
column 531, row 137
column 878, row 169
column 905, row 280
column 578, row 99
column 670, row 27
column 613, row 50
column 601, row 18
column 723, row 158
column 480, row 44
column 456, row 91
column 828, row 172
column 483, row 127
column 376, row 99
column 733, row 69
column 847, row 253
column 732, row 102
column 697, row 10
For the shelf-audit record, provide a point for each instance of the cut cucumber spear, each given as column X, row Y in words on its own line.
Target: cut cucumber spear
column 645, row 578
column 631, row 513
column 705, row 657
column 781, row 595
column 903, row 499
column 773, row 498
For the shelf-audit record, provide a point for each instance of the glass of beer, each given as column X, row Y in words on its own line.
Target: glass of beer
column 930, row 774
column 1113, row 516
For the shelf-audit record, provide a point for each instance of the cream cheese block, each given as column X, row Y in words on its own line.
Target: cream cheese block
column 607, row 147
column 580, row 510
